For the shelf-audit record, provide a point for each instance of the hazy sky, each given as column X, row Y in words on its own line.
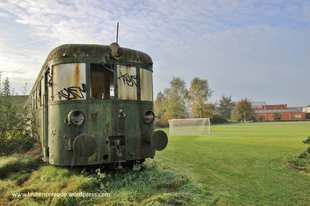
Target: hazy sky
column 258, row 50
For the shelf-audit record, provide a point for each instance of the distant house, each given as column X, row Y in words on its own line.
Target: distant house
column 306, row 109
column 267, row 112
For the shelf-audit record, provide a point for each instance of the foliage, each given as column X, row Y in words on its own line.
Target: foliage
column 277, row 116
column 173, row 102
column 159, row 110
column 198, row 94
column 302, row 161
column 174, row 105
column 160, row 122
column 211, row 111
column 307, row 115
column 243, row 111
column 16, row 122
column 226, row 105
column 158, row 105
column 218, row 119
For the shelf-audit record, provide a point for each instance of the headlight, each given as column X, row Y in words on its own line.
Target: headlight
column 149, row 116
column 75, row 117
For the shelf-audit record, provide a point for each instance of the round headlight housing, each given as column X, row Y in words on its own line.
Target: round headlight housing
column 149, row 116
column 76, row 117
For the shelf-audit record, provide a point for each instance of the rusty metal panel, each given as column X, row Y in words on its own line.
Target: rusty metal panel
column 127, row 82
column 146, row 81
column 69, row 81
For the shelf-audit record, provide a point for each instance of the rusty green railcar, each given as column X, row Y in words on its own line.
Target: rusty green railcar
column 94, row 105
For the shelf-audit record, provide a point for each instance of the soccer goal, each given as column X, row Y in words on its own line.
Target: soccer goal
column 190, row 127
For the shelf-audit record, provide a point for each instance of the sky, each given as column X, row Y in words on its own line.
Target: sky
column 255, row 49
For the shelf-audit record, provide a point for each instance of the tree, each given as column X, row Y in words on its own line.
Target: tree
column 158, row 105
column 174, row 105
column 277, row 116
column 226, row 106
column 15, row 122
column 211, row 111
column 243, row 111
column 159, row 110
column 198, row 95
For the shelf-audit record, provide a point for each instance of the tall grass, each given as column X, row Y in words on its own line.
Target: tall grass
column 147, row 185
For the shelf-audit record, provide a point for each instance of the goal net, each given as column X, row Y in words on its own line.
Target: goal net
column 190, row 127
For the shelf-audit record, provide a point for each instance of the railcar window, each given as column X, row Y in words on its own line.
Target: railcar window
column 102, row 81
column 32, row 105
column 146, row 84
column 42, row 91
column 38, row 96
column 127, row 82
column 34, row 100
column 48, row 85
column 69, row 81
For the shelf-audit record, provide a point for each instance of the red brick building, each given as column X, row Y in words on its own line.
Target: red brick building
column 266, row 112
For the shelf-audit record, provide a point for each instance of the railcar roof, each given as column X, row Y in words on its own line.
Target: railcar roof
column 94, row 50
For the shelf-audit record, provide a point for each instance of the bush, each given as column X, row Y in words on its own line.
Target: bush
column 16, row 122
column 218, row 119
column 161, row 122
column 302, row 161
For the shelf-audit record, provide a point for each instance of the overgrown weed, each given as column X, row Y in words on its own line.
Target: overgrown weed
column 142, row 185
column 301, row 162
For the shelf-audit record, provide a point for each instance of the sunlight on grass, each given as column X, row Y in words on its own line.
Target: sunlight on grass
column 243, row 163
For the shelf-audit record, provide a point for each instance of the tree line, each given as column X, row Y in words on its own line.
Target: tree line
column 178, row 102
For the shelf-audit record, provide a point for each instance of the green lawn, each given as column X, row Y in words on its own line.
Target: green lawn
column 243, row 163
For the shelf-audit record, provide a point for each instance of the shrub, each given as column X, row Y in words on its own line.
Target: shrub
column 161, row 122
column 302, row 161
column 16, row 122
column 218, row 119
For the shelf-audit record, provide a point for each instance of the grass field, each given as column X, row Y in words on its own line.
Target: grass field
column 243, row 163
column 239, row 164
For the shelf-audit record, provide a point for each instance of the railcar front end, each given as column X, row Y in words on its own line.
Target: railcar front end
column 94, row 105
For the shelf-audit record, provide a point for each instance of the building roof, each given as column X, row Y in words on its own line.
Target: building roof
column 258, row 104
column 290, row 110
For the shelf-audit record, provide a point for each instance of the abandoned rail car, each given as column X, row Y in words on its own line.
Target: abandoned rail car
column 93, row 104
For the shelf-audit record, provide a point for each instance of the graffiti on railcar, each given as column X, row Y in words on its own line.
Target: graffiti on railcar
column 73, row 92
column 130, row 80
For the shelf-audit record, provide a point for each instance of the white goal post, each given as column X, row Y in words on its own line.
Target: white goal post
column 190, row 127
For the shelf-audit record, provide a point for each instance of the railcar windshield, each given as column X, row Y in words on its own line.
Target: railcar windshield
column 128, row 83
column 69, row 81
column 146, row 85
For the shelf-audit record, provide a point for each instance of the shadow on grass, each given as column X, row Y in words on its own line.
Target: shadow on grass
column 28, row 161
